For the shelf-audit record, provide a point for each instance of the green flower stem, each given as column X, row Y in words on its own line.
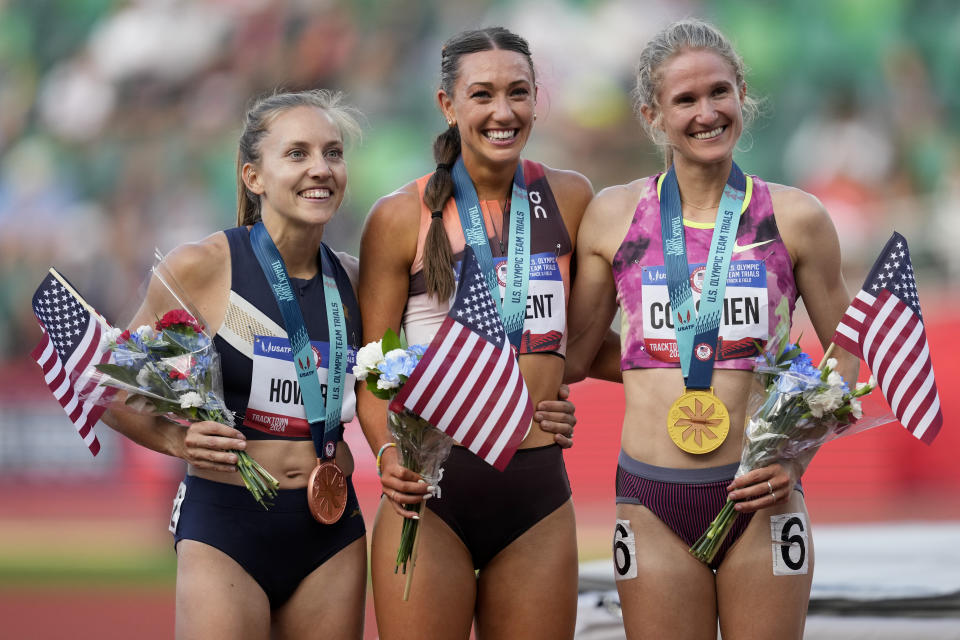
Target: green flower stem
column 258, row 481
column 706, row 547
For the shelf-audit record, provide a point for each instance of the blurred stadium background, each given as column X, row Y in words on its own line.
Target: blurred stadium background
column 118, row 126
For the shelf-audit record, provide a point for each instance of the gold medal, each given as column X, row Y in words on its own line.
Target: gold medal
column 698, row 422
column 327, row 492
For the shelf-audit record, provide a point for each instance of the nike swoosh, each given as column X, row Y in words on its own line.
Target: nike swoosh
column 737, row 248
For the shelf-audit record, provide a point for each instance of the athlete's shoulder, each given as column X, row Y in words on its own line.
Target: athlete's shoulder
column 794, row 206
column 209, row 254
column 568, row 183
column 619, row 196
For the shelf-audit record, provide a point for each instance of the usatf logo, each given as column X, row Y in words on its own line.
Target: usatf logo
column 304, row 363
column 703, row 352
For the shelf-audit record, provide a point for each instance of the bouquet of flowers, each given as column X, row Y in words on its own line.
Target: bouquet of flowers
column 172, row 369
column 795, row 408
column 385, row 365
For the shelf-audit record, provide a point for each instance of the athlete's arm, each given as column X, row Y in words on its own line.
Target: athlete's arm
column 593, row 301
column 387, row 250
column 813, row 244
column 201, row 270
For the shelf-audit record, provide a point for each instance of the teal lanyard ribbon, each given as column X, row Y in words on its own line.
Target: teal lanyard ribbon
column 697, row 332
column 319, row 410
column 513, row 309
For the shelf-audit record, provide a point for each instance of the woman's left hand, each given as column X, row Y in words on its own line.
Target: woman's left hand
column 557, row 417
column 764, row 487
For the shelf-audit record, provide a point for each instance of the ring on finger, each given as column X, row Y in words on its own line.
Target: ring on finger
column 772, row 493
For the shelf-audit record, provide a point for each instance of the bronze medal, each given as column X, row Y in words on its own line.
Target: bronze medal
column 327, row 492
column 698, row 422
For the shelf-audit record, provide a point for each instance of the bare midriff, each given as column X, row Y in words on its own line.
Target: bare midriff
column 290, row 462
column 649, row 395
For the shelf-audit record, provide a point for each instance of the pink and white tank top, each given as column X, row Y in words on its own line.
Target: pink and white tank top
column 761, row 273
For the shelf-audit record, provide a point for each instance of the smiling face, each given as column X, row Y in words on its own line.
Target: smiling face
column 492, row 104
column 301, row 175
column 700, row 106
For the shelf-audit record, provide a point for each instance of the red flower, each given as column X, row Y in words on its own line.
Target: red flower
column 178, row 318
column 123, row 337
column 177, row 375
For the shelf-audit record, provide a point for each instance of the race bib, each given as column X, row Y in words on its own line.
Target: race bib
column 789, row 537
column 624, row 551
column 175, row 512
column 744, row 318
column 544, row 328
column 275, row 404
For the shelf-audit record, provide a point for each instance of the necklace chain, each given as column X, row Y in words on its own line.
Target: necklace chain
column 493, row 221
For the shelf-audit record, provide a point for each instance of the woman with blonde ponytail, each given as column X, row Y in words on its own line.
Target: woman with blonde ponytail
column 495, row 543
column 702, row 239
column 242, row 571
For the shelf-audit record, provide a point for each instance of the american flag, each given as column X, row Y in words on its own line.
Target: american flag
column 71, row 343
column 468, row 383
column 884, row 326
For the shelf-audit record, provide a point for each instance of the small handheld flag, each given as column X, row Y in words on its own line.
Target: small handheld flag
column 884, row 326
column 468, row 383
column 70, row 344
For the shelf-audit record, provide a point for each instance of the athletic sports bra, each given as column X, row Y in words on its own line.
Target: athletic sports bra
column 545, row 326
column 259, row 380
column 760, row 275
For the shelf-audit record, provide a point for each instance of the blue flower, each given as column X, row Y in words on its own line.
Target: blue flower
column 801, row 376
column 395, row 364
column 417, row 349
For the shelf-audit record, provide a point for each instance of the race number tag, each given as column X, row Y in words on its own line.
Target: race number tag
column 788, row 533
column 177, row 501
column 624, row 551
column 743, row 321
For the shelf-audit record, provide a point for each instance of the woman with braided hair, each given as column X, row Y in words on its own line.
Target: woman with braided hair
column 494, row 539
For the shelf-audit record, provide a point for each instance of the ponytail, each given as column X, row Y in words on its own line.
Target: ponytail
column 437, row 253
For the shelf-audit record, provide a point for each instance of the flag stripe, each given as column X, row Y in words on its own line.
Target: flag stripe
column 895, row 359
column 483, row 405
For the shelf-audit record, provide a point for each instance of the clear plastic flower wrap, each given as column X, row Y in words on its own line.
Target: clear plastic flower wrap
column 794, row 408
column 386, row 365
column 423, row 448
column 172, row 369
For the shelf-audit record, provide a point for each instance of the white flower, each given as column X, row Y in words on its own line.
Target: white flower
column 856, row 409
column 825, row 401
column 831, row 363
column 369, row 357
column 110, row 335
column 191, row 399
column 146, row 332
column 143, row 378
column 387, row 384
column 359, row 372
column 834, row 379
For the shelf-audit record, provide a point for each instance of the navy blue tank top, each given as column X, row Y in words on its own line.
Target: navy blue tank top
column 248, row 282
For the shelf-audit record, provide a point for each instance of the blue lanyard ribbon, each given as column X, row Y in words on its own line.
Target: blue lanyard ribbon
column 697, row 332
column 318, row 409
column 513, row 308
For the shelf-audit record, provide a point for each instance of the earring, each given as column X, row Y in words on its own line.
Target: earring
column 451, row 122
column 534, row 115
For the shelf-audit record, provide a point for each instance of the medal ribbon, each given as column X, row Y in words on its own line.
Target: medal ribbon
column 513, row 309
column 318, row 410
column 694, row 329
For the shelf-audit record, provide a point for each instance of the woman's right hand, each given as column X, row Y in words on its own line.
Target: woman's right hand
column 208, row 445
column 401, row 486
